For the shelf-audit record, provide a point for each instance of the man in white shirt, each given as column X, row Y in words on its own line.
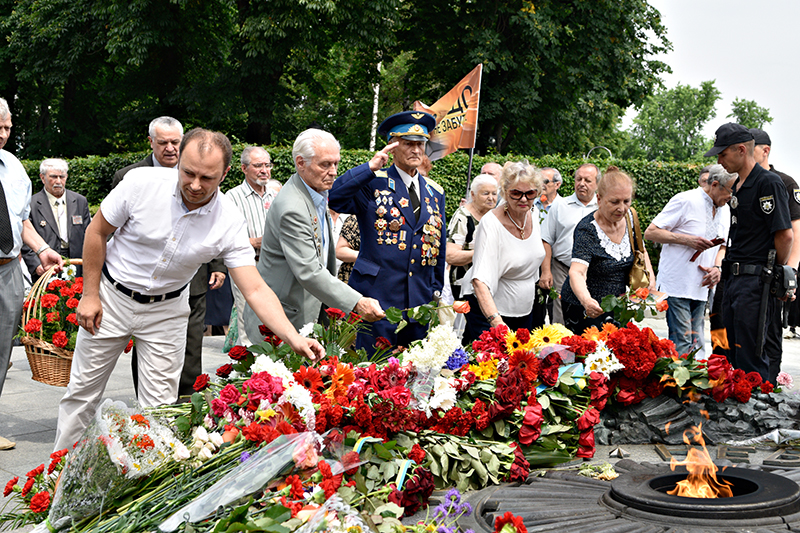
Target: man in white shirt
column 558, row 227
column 252, row 197
column 688, row 224
column 166, row 224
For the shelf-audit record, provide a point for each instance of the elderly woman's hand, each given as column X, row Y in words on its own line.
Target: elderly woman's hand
column 592, row 309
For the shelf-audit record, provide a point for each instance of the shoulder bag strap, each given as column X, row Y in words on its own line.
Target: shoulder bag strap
column 638, row 230
column 630, row 231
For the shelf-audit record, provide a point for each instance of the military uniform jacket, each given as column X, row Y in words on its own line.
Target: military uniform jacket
column 401, row 262
column 291, row 260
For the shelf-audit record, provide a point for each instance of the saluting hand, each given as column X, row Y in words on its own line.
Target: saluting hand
column 380, row 159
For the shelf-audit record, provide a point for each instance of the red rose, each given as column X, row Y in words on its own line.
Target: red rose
column 417, row 454
column 588, row 419
column 264, row 330
column 531, row 423
column 60, row 339
column 509, row 518
column 225, row 370
column 40, row 502
column 334, row 313
column 49, row 300
column 767, row 387
column 34, row 325
column 717, row 364
column 461, row 307
column 201, row 382
column 238, row 353
column 382, row 343
column 548, row 370
column 72, row 303
column 662, row 306
column 586, row 444
column 754, row 379
column 520, row 468
column 10, row 486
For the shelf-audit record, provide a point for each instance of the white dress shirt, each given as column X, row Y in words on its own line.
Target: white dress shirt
column 59, row 207
column 17, row 189
column 160, row 244
column 559, row 224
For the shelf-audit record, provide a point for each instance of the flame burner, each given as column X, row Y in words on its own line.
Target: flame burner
column 637, row 501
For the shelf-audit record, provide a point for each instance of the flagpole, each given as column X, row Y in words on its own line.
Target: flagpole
column 469, row 173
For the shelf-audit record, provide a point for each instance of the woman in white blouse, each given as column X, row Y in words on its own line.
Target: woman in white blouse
column 508, row 253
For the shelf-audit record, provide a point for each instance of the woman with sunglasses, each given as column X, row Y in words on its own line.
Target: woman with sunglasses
column 501, row 284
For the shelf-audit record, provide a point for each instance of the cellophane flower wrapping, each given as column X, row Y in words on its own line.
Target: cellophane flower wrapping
column 119, row 447
column 428, row 358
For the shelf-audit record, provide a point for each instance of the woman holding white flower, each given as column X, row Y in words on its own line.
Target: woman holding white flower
column 508, row 253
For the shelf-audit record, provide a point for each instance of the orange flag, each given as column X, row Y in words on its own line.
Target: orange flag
column 456, row 116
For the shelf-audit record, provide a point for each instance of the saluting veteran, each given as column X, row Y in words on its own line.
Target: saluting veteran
column 401, row 219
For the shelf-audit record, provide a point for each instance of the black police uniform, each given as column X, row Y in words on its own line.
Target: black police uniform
column 773, row 346
column 759, row 208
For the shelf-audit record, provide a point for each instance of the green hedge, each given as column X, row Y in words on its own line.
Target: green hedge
column 656, row 182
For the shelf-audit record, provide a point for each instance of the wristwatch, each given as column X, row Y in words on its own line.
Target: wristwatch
column 44, row 247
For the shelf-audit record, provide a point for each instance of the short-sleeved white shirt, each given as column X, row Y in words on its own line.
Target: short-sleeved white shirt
column 689, row 213
column 508, row 266
column 559, row 224
column 17, row 189
column 159, row 244
column 252, row 206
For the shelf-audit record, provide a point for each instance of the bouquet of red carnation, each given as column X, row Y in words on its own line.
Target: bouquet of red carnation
column 49, row 310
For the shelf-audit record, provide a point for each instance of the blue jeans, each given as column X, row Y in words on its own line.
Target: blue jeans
column 685, row 322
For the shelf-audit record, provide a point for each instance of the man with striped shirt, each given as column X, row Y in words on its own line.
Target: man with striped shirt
column 253, row 198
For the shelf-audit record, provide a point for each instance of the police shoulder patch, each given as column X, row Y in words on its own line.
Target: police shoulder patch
column 796, row 195
column 767, row 204
column 438, row 188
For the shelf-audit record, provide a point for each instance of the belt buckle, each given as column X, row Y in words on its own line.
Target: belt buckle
column 152, row 299
column 735, row 269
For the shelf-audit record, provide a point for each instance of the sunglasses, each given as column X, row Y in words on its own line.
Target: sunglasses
column 514, row 194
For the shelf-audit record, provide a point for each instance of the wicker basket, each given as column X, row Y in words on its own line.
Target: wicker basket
column 49, row 363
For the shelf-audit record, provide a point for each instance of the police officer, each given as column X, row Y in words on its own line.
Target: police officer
column 401, row 217
column 759, row 222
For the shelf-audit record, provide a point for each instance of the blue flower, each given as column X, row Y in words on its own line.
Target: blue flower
column 244, row 457
column 458, row 359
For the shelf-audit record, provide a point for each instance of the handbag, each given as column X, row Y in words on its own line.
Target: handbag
column 639, row 276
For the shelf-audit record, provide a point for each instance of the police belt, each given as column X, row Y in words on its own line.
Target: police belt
column 741, row 269
column 139, row 297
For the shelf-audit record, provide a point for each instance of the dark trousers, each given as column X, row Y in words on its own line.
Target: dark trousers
column 477, row 323
column 576, row 320
column 193, row 358
column 741, row 313
column 773, row 345
column 542, row 308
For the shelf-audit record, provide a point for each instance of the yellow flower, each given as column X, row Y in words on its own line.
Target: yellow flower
column 550, row 334
column 265, row 415
column 512, row 343
column 485, row 370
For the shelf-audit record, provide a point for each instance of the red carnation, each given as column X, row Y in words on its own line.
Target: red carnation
column 72, row 303
column 60, row 339
column 296, row 487
column 523, row 335
column 201, row 382
column 330, row 483
column 10, row 486
column 417, row 454
column 49, row 300
column 36, row 471
column 40, row 502
column 28, row 486
column 382, row 343
column 129, row 346
column 238, row 353
column 509, row 519
column 767, row 387
column 34, row 325
column 225, row 370
column 334, row 313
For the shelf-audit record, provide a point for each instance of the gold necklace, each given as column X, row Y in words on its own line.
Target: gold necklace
column 524, row 223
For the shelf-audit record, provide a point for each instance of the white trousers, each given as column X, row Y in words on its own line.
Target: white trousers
column 160, row 332
column 240, row 302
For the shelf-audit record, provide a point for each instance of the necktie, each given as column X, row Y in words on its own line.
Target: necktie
column 412, row 194
column 6, row 235
column 62, row 219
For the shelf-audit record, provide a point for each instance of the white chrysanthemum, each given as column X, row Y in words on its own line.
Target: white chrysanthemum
column 273, row 368
column 444, row 394
column 307, row 330
column 181, row 452
column 300, row 398
column 435, row 349
column 603, row 360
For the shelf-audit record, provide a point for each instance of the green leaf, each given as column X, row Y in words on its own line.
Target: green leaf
column 544, row 400
column 681, row 375
column 183, row 424
column 393, row 314
column 403, row 323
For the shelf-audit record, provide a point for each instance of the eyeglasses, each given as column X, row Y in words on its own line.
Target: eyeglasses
column 514, row 194
column 259, row 166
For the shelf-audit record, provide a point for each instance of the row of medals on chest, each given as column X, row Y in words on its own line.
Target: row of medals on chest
column 389, row 231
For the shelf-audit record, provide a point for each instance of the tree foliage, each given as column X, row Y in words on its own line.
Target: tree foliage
column 748, row 113
column 669, row 123
column 86, row 76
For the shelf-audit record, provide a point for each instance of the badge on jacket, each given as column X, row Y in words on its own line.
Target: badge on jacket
column 77, row 220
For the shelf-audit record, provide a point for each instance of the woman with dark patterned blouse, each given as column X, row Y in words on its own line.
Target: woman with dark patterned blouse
column 348, row 246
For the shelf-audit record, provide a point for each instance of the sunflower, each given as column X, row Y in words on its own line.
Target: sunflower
column 550, row 334
column 512, row 342
column 309, row 378
column 526, row 362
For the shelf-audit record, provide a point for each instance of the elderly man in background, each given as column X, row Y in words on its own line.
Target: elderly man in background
column 164, row 135
column 551, row 182
column 558, row 227
column 773, row 346
column 15, row 229
column 691, row 222
column 252, row 197
column 167, row 224
column 59, row 215
column 298, row 253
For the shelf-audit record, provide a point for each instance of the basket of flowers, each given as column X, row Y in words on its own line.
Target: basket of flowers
column 49, row 325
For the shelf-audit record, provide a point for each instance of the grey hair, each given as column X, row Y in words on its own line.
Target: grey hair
column 717, row 173
column 5, row 112
column 556, row 174
column 53, row 164
column 304, row 144
column 167, row 122
column 246, row 156
column 596, row 169
column 520, row 171
column 482, row 179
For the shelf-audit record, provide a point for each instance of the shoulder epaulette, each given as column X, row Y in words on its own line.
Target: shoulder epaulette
column 435, row 185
